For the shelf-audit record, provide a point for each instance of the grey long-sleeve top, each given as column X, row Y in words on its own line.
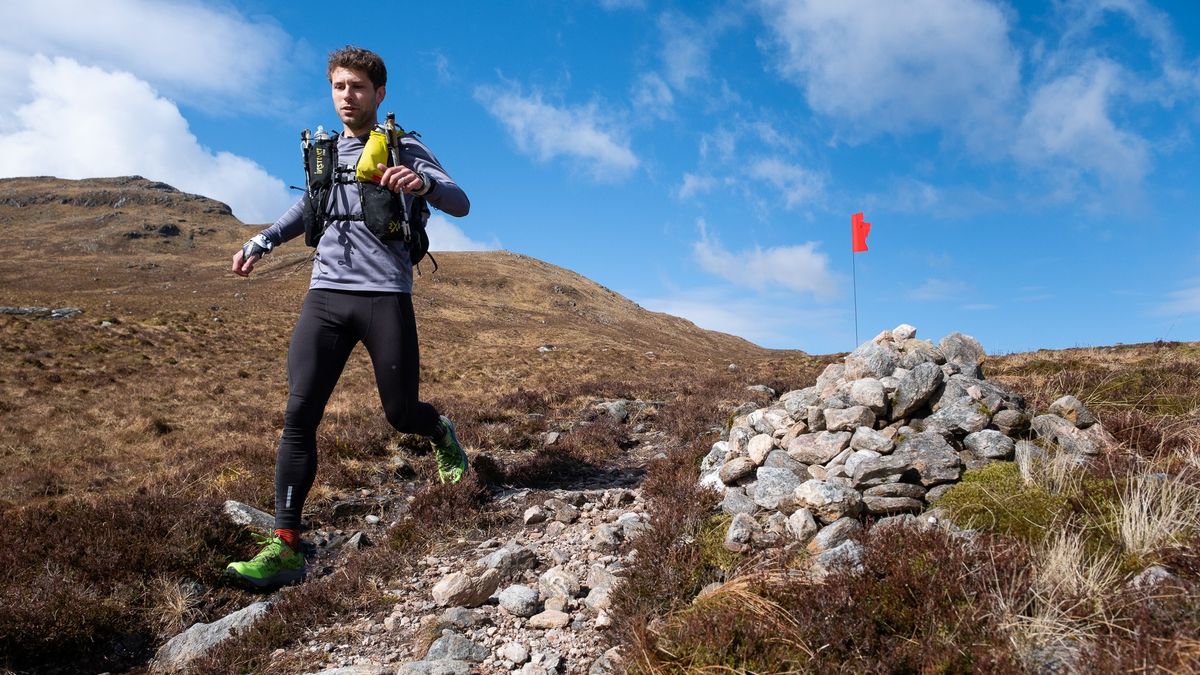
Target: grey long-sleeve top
column 349, row 256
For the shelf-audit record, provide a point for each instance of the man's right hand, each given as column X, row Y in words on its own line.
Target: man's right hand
column 242, row 266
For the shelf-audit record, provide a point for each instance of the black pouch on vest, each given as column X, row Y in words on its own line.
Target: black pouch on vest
column 382, row 211
column 321, row 167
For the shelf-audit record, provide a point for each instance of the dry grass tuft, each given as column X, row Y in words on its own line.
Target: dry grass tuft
column 1157, row 511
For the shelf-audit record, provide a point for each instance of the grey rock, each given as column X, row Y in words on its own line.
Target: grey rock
column 758, row 448
column 915, row 389
column 519, row 600
column 884, row 469
column 896, row 490
column 849, row 419
column 509, row 560
column 995, row 396
column 740, row 533
column 200, row 638
column 1074, row 411
column 935, row 493
column 903, row 332
column 847, row 553
column 965, row 352
column 515, row 652
column 1011, row 422
column 960, row 418
column 457, row 647
column 600, row 583
column 933, row 458
column 561, row 510
column 857, row 458
column 359, row 540
column 827, row 501
column 866, row 438
column 738, row 438
column 617, row 410
column 1054, row 429
column 464, row 590
column 715, row 457
column 839, row 460
column 608, row 537
column 439, row 667
column 990, row 444
column 248, row 516
column 534, row 515
column 888, row 505
column 762, row 389
column 903, row 520
column 773, row 484
column 834, row 534
column 736, row 501
column 559, row 582
column 779, row 459
column 362, row 669
column 460, row 617
column 796, row 402
column 869, row 393
column 736, row 469
column 633, row 524
column 609, row 663
column 870, row 360
column 1151, row 577
column 914, row 352
column 829, row 378
column 820, row 447
column 802, row 526
column 816, row 418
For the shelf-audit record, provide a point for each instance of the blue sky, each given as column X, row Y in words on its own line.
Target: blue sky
column 1030, row 169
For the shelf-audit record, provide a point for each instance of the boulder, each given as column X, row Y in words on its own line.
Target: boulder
column 866, row 438
column 716, row 457
column 961, row 418
column 463, row 590
column 773, row 484
column 834, row 534
column 990, row 444
column 849, row 419
column 914, row 352
column 1090, row 441
column 932, row 457
column 870, row 360
column 1011, row 422
column 828, row 501
column 884, row 469
column 796, row 402
column 758, row 448
column 802, row 525
column 736, row 469
column 829, row 378
column 915, row 389
column 903, row 332
column 1074, row 411
column 869, row 393
column 740, row 533
column 965, row 352
column 736, row 501
column 857, row 458
column 820, row 447
column 180, row 651
column 738, row 438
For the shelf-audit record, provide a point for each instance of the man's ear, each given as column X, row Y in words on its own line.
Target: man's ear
column 380, row 92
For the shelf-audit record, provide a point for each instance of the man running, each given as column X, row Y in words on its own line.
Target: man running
column 361, row 291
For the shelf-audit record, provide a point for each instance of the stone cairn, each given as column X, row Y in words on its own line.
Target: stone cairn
column 879, row 436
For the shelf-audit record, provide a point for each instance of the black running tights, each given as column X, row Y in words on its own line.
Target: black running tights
column 331, row 323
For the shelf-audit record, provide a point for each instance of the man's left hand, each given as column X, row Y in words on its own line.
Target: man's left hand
column 401, row 179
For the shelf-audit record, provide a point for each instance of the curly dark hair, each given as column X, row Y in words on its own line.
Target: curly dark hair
column 356, row 58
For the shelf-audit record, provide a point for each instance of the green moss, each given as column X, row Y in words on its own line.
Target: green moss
column 711, row 540
column 994, row 498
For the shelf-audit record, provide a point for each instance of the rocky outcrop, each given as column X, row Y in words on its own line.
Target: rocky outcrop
column 884, row 433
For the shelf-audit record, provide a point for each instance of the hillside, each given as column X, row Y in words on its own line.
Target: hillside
column 125, row 426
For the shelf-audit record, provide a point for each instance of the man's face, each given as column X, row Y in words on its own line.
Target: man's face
column 355, row 98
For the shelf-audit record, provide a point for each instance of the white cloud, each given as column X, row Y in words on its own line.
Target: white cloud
column 1068, row 123
column 883, row 66
column 446, row 236
column 796, row 185
column 547, row 132
column 1182, row 302
column 83, row 122
column 694, row 185
column 763, row 320
column 801, row 268
column 188, row 50
column 685, row 49
column 652, row 96
column 935, row 290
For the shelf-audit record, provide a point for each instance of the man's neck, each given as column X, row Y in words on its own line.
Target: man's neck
column 360, row 132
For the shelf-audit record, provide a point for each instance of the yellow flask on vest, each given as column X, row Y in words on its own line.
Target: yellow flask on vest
column 374, row 153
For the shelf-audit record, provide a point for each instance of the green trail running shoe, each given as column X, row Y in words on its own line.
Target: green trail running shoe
column 275, row 565
column 451, row 459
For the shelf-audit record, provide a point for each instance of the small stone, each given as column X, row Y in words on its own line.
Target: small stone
column 896, row 490
column 834, row 534
column 828, row 501
column 816, row 418
column 1011, row 422
column 915, row 389
column 772, row 484
column 965, row 352
column 758, row 448
column 455, row 646
column 549, row 619
column 1090, row 441
column 903, row 332
column 736, row 501
column 515, row 652
column 866, row 438
column 557, row 581
column 820, row 447
column 889, row 505
column 849, row 419
column 607, row 537
column 715, row 457
column 248, row 516
column 857, row 457
column 937, row 491
column 1074, row 411
column 736, row 469
column 802, row 525
column 740, row 533
column 465, row 590
column 990, row 444
column 870, row 393
column 519, row 600
column 535, row 514
column 870, row 360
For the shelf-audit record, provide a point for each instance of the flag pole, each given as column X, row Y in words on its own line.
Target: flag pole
column 854, row 276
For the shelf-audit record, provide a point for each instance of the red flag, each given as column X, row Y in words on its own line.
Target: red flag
column 859, row 229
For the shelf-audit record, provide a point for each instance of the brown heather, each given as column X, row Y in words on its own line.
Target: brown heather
column 122, row 431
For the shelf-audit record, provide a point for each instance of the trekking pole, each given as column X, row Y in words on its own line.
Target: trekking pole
column 394, row 153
